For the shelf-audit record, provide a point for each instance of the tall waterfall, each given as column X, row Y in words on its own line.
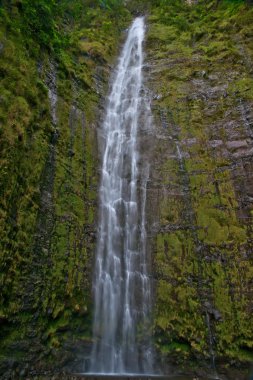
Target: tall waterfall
column 121, row 283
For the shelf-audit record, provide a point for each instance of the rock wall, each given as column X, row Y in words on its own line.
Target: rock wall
column 51, row 105
column 199, row 208
column 199, row 67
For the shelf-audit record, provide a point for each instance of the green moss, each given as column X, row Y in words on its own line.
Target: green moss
column 203, row 265
column 176, row 347
column 49, row 178
column 201, row 259
column 163, row 33
column 243, row 87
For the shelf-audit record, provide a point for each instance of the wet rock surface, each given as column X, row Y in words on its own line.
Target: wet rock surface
column 48, row 210
column 199, row 208
column 200, row 199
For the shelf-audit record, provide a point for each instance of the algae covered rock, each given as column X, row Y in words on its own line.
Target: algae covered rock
column 54, row 80
column 202, row 241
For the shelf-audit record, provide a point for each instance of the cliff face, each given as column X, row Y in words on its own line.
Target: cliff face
column 199, row 64
column 199, row 73
column 51, row 104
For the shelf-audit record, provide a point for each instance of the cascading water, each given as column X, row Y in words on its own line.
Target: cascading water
column 121, row 284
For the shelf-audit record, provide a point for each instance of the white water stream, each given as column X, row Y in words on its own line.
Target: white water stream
column 121, row 284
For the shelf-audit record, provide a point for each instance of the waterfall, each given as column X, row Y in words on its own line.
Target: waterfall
column 121, row 282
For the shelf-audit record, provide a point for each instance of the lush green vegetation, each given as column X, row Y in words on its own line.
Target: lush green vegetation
column 200, row 262
column 203, row 75
column 48, row 22
column 49, row 172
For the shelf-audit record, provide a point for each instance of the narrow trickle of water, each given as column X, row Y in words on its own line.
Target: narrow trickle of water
column 121, row 284
column 52, row 92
